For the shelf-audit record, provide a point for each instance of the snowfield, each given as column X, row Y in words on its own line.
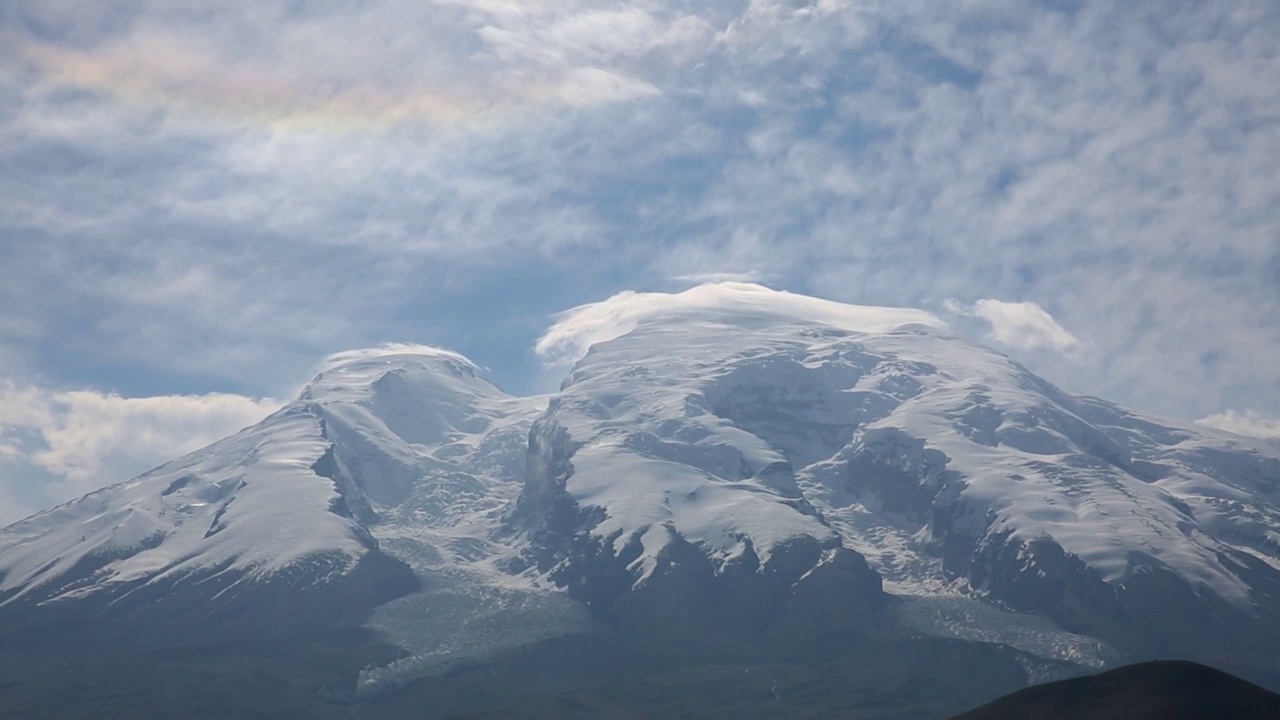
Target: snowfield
column 724, row 438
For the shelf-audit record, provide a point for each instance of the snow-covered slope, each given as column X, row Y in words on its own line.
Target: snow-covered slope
column 284, row 508
column 220, row 507
column 737, row 417
column 721, row 468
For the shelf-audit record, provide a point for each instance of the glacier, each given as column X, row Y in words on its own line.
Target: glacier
column 731, row 469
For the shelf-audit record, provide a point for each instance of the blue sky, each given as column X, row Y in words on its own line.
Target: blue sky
column 199, row 203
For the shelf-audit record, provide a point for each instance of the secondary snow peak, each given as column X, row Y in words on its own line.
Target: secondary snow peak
column 390, row 353
column 353, row 375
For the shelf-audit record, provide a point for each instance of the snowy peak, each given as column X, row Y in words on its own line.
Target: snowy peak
column 290, row 499
column 421, row 395
column 354, row 375
column 746, row 307
column 208, row 509
column 738, row 419
column 244, row 539
column 399, row 413
column 723, row 466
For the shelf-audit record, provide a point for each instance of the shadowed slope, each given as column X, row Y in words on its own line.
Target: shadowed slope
column 1160, row 690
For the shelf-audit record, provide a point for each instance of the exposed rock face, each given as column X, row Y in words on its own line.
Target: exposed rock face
column 665, row 594
column 947, row 466
column 647, row 498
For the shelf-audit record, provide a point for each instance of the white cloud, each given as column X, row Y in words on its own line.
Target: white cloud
column 389, row 349
column 590, row 86
column 56, row 445
column 1022, row 325
column 233, row 194
column 1247, row 422
column 750, row 276
column 576, row 330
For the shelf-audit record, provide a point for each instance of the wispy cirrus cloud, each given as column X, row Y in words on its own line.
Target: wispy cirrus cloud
column 202, row 197
column 1071, row 158
column 750, row 276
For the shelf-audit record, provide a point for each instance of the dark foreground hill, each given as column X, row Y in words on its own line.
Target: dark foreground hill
column 1160, row 690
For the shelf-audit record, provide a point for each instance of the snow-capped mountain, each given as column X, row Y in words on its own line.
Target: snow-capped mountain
column 270, row 530
column 735, row 468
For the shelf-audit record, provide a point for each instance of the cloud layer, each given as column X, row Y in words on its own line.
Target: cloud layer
column 576, row 330
column 80, row 440
column 202, row 197
column 1247, row 422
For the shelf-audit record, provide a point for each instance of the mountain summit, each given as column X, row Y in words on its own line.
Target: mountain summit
column 727, row 471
